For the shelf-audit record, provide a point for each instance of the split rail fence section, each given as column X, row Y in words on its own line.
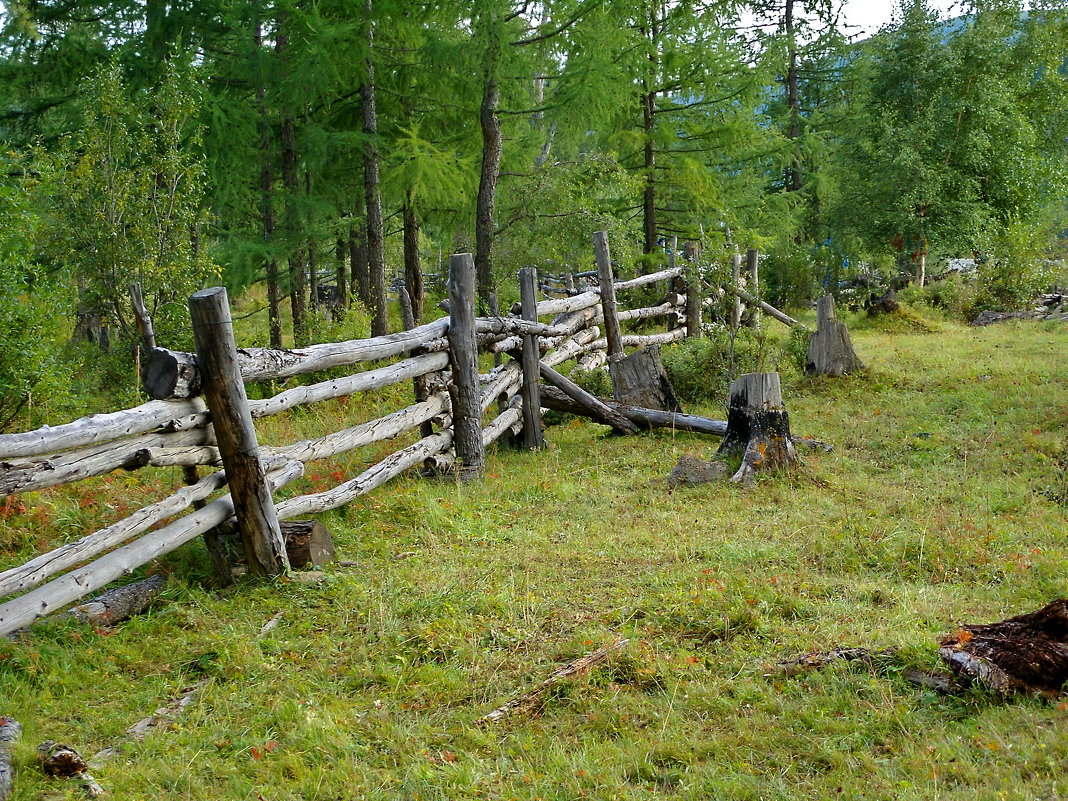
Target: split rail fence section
column 201, row 417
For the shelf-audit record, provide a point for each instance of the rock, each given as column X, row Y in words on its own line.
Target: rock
column 691, row 471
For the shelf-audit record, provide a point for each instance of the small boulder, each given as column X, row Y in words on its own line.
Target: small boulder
column 691, row 471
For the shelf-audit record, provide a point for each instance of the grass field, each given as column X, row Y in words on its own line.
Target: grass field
column 937, row 505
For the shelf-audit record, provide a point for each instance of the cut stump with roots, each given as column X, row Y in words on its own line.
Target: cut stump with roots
column 758, row 426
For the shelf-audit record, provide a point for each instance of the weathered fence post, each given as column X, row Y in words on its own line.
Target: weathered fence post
column 752, row 268
column 463, row 356
column 532, row 434
column 736, row 278
column 608, row 297
column 224, row 390
column 693, row 290
column 677, row 284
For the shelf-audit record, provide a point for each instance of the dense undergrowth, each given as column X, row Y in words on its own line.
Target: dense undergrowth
column 934, row 507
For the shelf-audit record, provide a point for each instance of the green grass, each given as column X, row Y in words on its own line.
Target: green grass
column 370, row 685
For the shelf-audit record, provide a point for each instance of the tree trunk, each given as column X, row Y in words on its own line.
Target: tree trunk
column 413, row 270
column 274, row 292
column 757, row 425
column 376, row 257
column 491, row 164
column 297, row 303
column 313, row 266
column 793, row 103
column 651, row 31
column 342, row 272
column 921, row 268
column 358, row 270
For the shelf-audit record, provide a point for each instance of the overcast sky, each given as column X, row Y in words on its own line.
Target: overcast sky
column 870, row 15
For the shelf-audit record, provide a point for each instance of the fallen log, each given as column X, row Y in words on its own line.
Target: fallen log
column 173, row 374
column 593, row 407
column 641, row 340
column 115, row 606
column 552, row 398
column 1023, row 654
column 573, row 669
column 10, row 729
column 757, row 425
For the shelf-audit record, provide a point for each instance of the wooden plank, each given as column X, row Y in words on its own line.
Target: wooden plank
column 463, row 356
column 533, row 437
column 265, row 549
column 37, row 603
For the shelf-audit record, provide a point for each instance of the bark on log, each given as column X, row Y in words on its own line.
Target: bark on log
column 758, row 425
column 43, row 567
column 642, row 340
column 830, row 350
column 308, row 543
column 176, row 374
column 37, row 603
column 10, row 729
column 552, row 398
column 649, row 278
column 1026, row 653
column 573, row 669
column 121, row 603
column 639, row 379
column 61, row 468
column 101, row 428
column 594, row 408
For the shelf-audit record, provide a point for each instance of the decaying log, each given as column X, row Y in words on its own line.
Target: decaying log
column 552, row 398
column 830, row 350
column 820, row 659
column 124, row 602
column 592, row 406
column 10, row 729
column 308, row 543
column 939, row 682
column 170, row 374
column 757, row 425
column 143, row 727
column 573, row 669
column 1026, row 653
column 639, row 379
column 650, row 278
column 62, row 761
column 43, row 600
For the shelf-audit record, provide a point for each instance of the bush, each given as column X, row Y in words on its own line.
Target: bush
column 1016, row 268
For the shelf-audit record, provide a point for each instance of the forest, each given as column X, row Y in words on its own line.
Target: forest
column 314, row 154
column 362, row 367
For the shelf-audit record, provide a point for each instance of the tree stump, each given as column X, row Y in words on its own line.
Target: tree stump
column 758, row 426
column 308, row 543
column 640, row 380
column 1026, row 653
column 830, row 350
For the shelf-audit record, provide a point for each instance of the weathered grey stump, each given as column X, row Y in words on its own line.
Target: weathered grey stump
column 640, row 380
column 830, row 350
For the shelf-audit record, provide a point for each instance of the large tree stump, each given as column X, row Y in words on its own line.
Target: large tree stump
column 757, row 425
column 1026, row 653
column 830, row 350
column 640, row 380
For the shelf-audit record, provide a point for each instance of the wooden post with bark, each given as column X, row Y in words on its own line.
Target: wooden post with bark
column 533, row 437
column 463, row 356
column 224, row 390
column 735, row 315
column 10, row 729
column 757, row 425
column 752, row 269
column 693, row 290
column 830, row 350
column 608, row 297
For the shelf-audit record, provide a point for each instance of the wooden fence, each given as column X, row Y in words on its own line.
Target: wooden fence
column 200, row 416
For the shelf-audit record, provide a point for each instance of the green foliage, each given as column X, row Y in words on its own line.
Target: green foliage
column 125, row 203
column 32, row 303
column 1016, row 269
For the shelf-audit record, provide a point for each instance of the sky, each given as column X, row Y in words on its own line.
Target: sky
column 870, row 15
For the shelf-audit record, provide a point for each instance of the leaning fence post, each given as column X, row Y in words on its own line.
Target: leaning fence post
column 736, row 302
column 608, row 297
column 528, row 298
column 224, row 390
column 693, row 290
column 463, row 356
